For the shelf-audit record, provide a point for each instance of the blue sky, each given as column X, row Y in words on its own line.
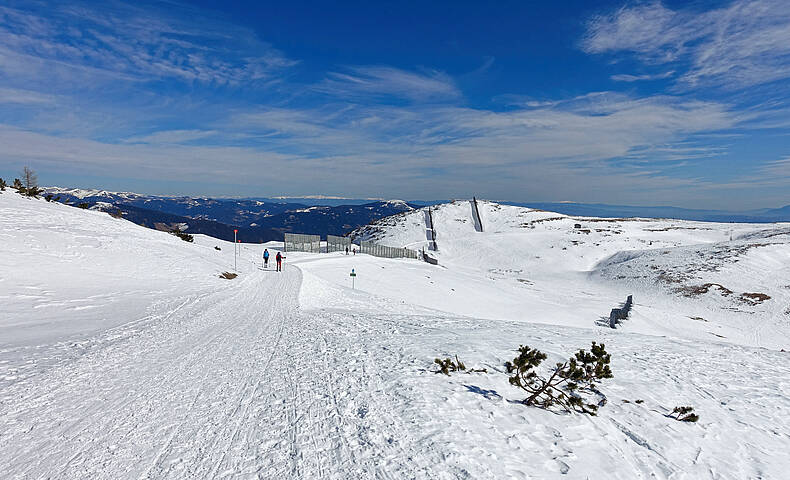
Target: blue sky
column 649, row 103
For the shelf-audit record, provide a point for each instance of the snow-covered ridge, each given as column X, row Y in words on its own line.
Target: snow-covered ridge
column 83, row 193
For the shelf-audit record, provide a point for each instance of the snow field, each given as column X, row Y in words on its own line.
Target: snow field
column 296, row 375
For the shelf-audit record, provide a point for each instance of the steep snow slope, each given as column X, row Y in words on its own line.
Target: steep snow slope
column 67, row 271
column 296, row 375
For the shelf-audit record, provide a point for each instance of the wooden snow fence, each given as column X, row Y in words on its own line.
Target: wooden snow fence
column 387, row 252
column 337, row 244
column 476, row 215
column 621, row 313
column 297, row 242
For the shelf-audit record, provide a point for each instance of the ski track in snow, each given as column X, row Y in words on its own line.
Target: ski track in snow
column 234, row 385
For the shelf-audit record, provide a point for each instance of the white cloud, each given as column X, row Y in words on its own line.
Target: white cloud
column 739, row 45
column 638, row 78
column 550, row 152
column 131, row 43
column 24, row 97
column 381, row 81
column 172, row 136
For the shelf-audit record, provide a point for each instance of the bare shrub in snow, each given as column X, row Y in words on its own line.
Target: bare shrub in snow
column 228, row 275
column 448, row 365
column 684, row 414
column 569, row 383
column 30, row 182
column 3, row 185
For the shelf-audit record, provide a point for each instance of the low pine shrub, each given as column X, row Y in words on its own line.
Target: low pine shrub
column 228, row 275
column 684, row 414
column 183, row 236
column 448, row 365
column 569, row 383
column 3, row 185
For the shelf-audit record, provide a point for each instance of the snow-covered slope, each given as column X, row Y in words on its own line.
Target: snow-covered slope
column 123, row 355
column 544, row 267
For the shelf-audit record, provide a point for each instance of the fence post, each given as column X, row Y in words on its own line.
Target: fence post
column 613, row 317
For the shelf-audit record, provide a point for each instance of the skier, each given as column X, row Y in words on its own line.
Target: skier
column 346, row 249
column 279, row 262
column 265, row 258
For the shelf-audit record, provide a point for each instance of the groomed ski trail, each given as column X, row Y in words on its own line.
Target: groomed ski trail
column 234, row 384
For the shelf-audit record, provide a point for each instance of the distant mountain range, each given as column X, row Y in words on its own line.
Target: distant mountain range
column 257, row 219
column 265, row 219
column 766, row 215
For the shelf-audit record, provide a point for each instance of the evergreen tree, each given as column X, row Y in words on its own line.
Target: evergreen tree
column 3, row 185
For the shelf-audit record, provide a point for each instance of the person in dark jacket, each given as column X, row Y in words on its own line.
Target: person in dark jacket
column 279, row 259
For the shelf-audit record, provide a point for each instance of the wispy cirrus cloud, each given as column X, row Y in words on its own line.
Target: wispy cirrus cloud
column 624, row 77
column 132, row 43
column 383, row 81
column 24, row 97
column 171, row 137
column 745, row 43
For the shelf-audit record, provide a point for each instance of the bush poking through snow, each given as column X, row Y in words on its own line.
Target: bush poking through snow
column 217, row 248
column 18, row 186
column 3, row 185
column 228, row 275
column 568, row 383
column 684, row 414
column 183, row 236
column 447, row 365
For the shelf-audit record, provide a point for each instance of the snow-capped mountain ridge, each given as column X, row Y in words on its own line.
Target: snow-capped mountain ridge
column 255, row 219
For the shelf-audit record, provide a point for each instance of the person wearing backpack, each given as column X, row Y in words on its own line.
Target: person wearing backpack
column 265, row 258
column 279, row 259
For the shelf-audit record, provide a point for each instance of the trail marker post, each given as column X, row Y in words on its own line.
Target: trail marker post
column 353, row 278
column 235, row 248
